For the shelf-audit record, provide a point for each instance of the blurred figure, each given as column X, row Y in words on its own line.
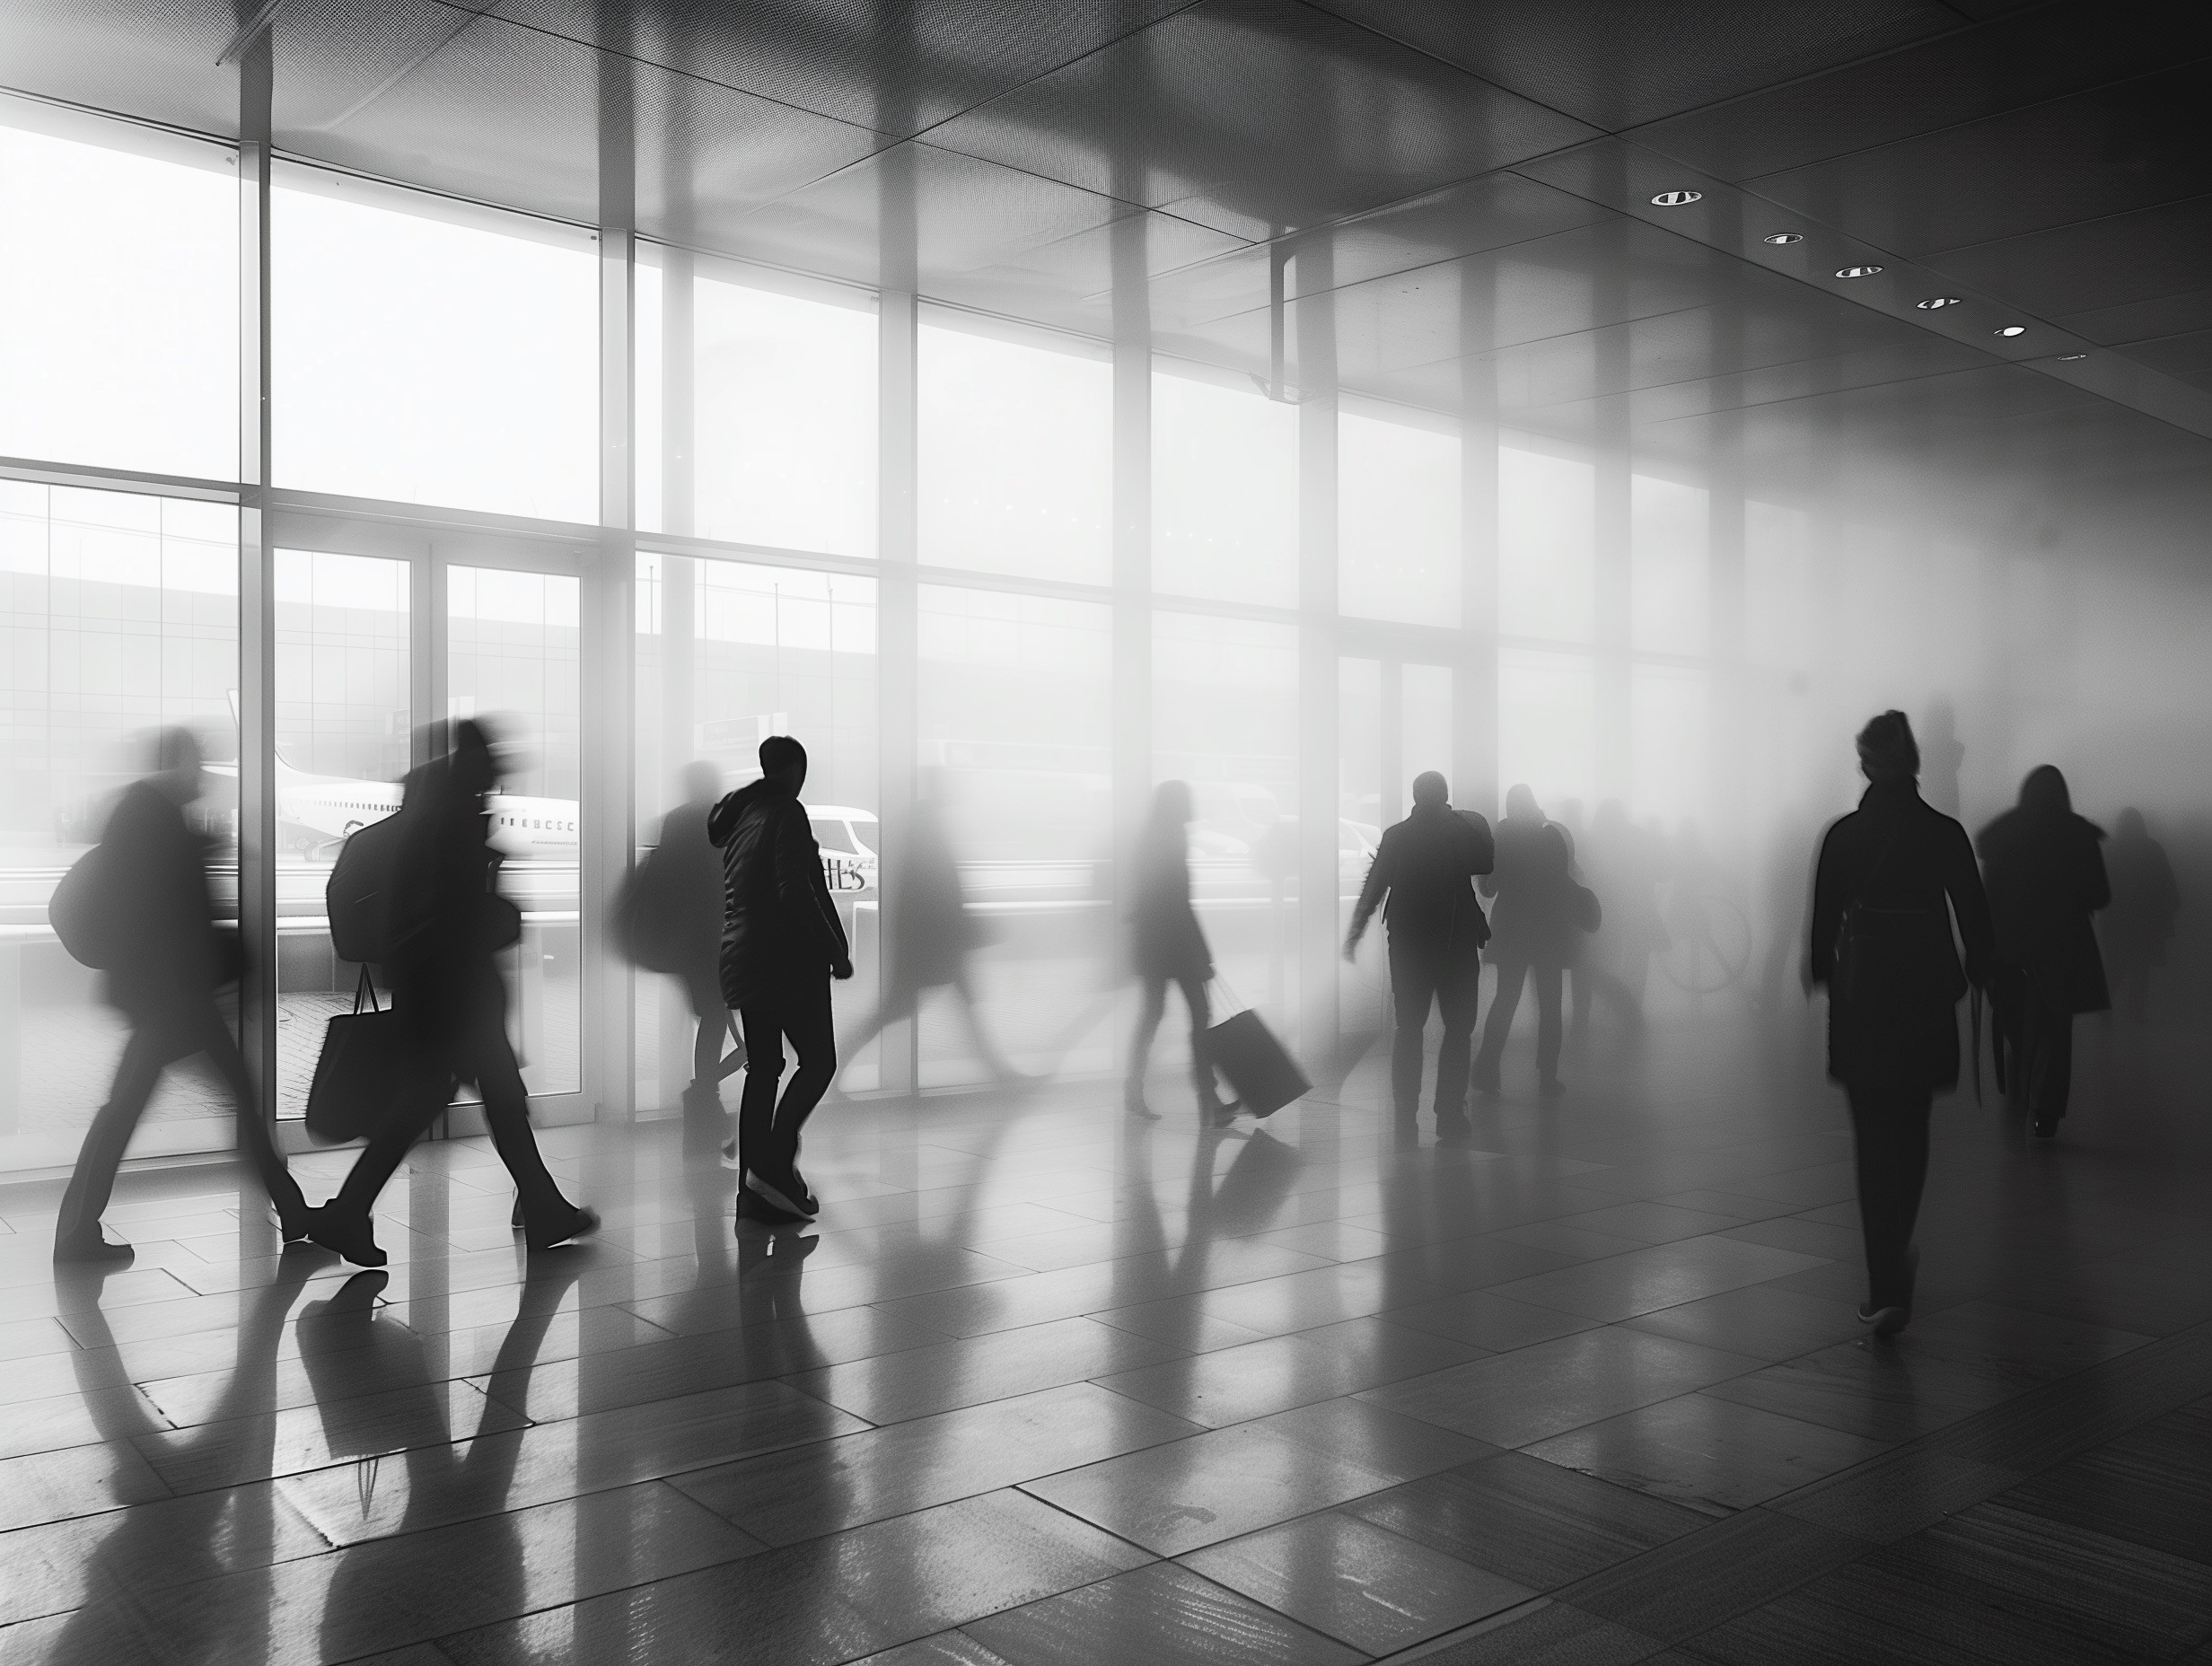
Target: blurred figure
column 1614, row 963
column 933, row 933
column 1167, row 946
column 1425, row 865
column 1942, row 757
column 2045, row 876
column 2138, row 924
column 1788, row 869
column 152, row 895
column 444, row 925
column 782, row 942
column 1880, row 942
column 1534, row 929
column 674, row 925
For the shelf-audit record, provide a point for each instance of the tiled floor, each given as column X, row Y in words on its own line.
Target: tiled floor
column 1046, row 1386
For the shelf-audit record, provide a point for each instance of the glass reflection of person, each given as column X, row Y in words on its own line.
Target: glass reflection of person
column 691, row 872
column 181, row 1544
column 1168, row 946
column 155, row 882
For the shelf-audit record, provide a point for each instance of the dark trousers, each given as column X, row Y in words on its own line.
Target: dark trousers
column 156, row 1043
column 1148, row 1016
column 768, row 1129
column 1889, row 1133
column 1421, row 975
column 458, row 1035
column 2042, row 1074
column 1505, row 1002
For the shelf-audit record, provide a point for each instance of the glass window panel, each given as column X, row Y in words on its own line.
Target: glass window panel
column 1224, row 491
column 1398, row 522
column 1547, row 545
column 1014, row 709
column 1362, row 987
column 118, row 296
column 1777, row 559
column 344, row 709
column 431, row 353
column 784, row 414
column 1226, row 719
column 511, row 660
column 727, row 654
column 1547, row 727
column 118, row 614
column 1015, row 453
column 1424, row 705
column 1670, row 726
column 1668, row 548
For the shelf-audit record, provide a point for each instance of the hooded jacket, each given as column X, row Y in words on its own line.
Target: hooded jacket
column 2045, row 876
column 778, row 924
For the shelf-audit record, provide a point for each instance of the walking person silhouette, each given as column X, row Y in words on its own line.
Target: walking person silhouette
column 1168, row 946
column 444, row 924
column 1893, row 877
column 782, row 944
column 153, row 898
column 1536, row 929
column 1425, row 865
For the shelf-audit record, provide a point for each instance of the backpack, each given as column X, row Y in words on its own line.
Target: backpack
column 647, row 926
column 355, row 897
column 85, row 914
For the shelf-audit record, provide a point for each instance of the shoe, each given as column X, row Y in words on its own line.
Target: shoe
column 800, row 1208
column 729, row 1154
column 575, row 1221
column 752, row 1207
column 292, row 1224
column 1888, row 1321
column 2045, row 1128
column 350, row 1234
column 1133, row 1104
column 1453, row 1131
column 514, row 1217
column 1484, row 1086
column 1552, row 1088
column 1219, row 1113
column 93, row 1248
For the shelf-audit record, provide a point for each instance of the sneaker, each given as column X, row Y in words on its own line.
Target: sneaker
column 573, row 1223
column 337, row 1228
column 801, row 1207
column 93, row 1248
column 1887, row 1321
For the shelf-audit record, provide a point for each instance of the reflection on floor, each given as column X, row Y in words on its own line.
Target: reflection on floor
column 1046, row 1386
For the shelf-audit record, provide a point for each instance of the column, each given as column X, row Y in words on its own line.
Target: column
column 1474, row 774
column 1313, row 270
column 897, row 665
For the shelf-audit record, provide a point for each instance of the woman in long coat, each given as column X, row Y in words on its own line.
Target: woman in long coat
column 1168, row 946
column 2045, row 876
column 1893, row 877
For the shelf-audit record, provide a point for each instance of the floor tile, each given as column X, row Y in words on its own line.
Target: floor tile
column 1760, row 1321
column 1696, row 1581
column 1164, row 1613
column 1641, row 1280
column 943, row 1376
column 1234, row 1384
column 1711, row 1454
column 2152, row 1486
column 1544, row 1633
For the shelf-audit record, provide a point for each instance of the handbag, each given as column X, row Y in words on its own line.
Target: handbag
column 362, row 1073
column 1259, row 1067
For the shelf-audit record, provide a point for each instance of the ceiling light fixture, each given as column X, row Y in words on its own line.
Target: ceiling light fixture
column 1858, row 271
column 1677, row 200
column 1936, row 303
column 1784, row 237
column 2014, row 329
column 2068, row 358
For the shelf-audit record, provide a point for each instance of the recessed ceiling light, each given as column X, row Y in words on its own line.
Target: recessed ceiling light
column 2014, row 329
column 1858, row 271
column 1784, row 237
column 1676, row 199
column 1936, row 303
column 2068, row 358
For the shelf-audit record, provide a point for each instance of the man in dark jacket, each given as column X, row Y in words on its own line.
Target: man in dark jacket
column 1426, row 865
column 155, row 877
column 782, row 942
column 444, row 925
column 1533, row 932
column 2045, row 876
column 1892, row 876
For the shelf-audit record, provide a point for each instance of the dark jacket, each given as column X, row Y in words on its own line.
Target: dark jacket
column 1898, row 854
column 158, row 867
column 2145, row 899
column 2045, row 876
column 1164, row 938
column 1535, row 920
column 1424, row 865
column 445, row 918
column 778, row 924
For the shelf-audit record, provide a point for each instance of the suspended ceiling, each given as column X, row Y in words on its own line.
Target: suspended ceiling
column 1454, row 199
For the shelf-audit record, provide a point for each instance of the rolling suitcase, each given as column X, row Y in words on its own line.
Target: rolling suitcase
column 1262, row 1072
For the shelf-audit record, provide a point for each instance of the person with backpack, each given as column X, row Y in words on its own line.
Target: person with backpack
column 137, row 909
column 1537, row 928
column 1893, row 877
column 782, row 944
column 444, row 924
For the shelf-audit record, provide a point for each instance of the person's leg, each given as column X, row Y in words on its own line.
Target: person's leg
column 152, row 1046
column 1458, row 989
column 1510, row 973
column 254, row 1137
column 764, row 1068
column 490, row 1060
column 1414, row 981
column 1201, row 1046
column 1875, row 1146
column 2055, row 1066
column 1151, row 1006
column 1911, row 1159
column 808, row 1022
column 1547, row 979
column 986, row 1045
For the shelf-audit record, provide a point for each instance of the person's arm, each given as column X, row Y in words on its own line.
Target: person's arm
column 796, row 863
column 1828, row 899
column 1969, row 903
column 1482, row 846
column 1371, row 892
column 2099, row 882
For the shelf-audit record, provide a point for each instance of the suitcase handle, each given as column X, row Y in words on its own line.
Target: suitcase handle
column 1237, row 1002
